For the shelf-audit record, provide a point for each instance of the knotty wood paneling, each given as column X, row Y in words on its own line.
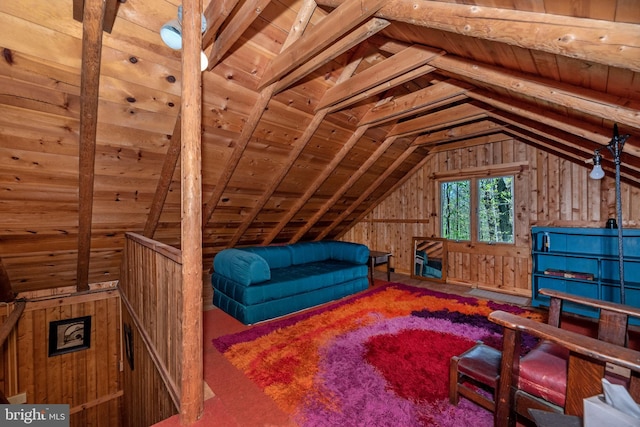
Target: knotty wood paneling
column 89, row 380
column 549, row 191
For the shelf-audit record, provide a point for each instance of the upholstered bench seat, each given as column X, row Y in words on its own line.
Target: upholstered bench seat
column 543, row 372
column 474, row 370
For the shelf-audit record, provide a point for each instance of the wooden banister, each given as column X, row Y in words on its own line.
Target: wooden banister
column 11, row 321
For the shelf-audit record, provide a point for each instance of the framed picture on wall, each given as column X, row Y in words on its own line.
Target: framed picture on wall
column 69, row 335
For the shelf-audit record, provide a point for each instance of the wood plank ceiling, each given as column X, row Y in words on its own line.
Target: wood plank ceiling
column 313, row 112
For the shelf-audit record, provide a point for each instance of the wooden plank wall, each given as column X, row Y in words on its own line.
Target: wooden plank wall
column 87, row 380
column 148, row 400
column 150, row 286
column 549, row 190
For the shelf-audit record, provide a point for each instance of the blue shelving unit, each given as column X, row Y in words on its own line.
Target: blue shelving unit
column 585, row 262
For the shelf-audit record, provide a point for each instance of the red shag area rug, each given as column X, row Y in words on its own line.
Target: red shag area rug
column 380, row 358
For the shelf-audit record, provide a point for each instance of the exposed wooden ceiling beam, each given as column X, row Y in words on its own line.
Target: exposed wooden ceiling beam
column 93, row 18
column 610, row 43
column 216, row 13
column 294, row 153
column 111, row 10
column 249, row 11
column 416, row 102
column 344, row 188
column 352, row 39
column 384, row 86
column 340, row 21
column 590, row 102
column 455, row 115
column 304, row 16
column 456, row 133
column 164, row 182
column 402, row 62
column 372, row 187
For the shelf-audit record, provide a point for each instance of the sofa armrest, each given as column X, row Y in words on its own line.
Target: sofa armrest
column 241, row 266
column 356, row 253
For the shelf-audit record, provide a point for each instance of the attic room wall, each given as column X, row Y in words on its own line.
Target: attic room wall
column 87, row 380
column 551, row 191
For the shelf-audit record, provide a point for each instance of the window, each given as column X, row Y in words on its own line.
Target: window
column 490, row 198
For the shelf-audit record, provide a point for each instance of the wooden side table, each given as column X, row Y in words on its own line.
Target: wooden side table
column 378, row 258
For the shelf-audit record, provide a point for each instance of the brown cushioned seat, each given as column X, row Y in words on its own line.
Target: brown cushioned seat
column 476, row 369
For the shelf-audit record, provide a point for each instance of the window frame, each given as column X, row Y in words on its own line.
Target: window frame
column 474, row 187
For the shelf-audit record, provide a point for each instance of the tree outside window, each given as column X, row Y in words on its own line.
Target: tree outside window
column 491, row 198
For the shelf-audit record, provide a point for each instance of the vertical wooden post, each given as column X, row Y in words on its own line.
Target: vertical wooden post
column 191, row 387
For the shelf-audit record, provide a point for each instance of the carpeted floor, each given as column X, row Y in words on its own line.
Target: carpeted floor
column 376, row 359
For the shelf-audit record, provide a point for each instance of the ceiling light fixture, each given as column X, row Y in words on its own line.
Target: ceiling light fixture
column 171, row 35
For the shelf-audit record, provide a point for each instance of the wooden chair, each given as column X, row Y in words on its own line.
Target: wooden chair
column 585, row 358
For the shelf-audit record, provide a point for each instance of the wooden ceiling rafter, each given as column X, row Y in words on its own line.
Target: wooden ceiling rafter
column 397, row 65
column 355, row 37
column 596, row 104
column 292, row 157
column 333, row 26
column 457, row 133
column 370, row 189
column 344, row 188
column 417, row 102
column 164, row 182
column 311, row 190
column 593, row 40
column 349, row 69
column 304, row 15
column 93, row 19
column 447, row 117
column 247, row 13
column 110, row 12
column 216, row 13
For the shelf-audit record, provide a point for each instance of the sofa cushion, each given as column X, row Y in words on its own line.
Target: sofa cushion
column 349, row 252
column 308, row 252
column 244, row 267
column 543, row 372
column 276, row 256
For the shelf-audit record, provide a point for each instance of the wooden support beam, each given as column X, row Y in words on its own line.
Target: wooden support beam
column 335, row 25
column 111, row 10
column 352, row 39
column 385, row 86
column 93, row 18
column 615, row 44
column 216, row 13
column 192, row 378
column 6, row 291
column 591, row 102
column 164, row 182
column 11, row 321
column 402, row 62
column 372, row 187
column 297, row 148
column 303, row 18
column 457, row 133
column 346, row 148
column 455, row 115
column 429, row 98
column 345, row 187
column 249, row 12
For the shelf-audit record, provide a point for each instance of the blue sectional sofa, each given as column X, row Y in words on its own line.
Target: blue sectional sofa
column 258, row 283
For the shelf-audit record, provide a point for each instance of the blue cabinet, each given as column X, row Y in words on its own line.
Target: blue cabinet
column 585, row 262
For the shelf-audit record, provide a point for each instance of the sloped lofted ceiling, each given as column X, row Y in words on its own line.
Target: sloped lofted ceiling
column 313, row 112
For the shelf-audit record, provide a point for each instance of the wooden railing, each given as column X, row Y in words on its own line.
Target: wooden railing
column 151, row 290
